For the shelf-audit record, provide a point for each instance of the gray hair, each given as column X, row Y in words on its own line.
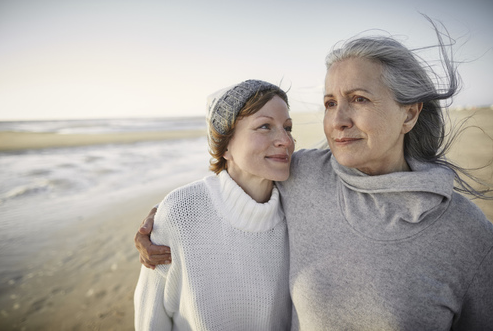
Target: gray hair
column 409, row 79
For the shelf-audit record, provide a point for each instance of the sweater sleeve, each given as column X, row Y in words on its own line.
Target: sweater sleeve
column 477, row 308
column 150, row 313
column 150, row 305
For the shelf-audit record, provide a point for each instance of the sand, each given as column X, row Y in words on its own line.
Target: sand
column 11, row 141
column 474, row 149
column 87, row 282
column 92, row 267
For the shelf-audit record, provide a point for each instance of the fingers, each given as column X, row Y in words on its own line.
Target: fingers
column 147, row 248
column 153, row 250
column 142, row 243
column 148, row 222
column 150, row 261
column 150, row 254
column 154, row 260
column 155, row 254
column 146, row 264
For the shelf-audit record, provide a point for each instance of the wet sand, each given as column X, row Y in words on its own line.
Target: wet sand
column 92, row 267
column 10, row 141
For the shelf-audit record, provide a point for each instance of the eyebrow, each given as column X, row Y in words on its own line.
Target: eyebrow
column 289, row 118
column 358, row 89
column 272, row 118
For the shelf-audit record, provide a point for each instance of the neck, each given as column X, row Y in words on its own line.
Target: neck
column 259, row 189
column 389, row 168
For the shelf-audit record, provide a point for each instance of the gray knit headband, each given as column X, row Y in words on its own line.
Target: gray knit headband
column 225, row 105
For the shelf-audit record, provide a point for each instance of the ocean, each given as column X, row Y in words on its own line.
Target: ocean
column 43, row 190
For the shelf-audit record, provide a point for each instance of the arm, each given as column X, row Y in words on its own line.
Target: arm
column 477, row 307
column 155, row 298
column 150, row 255
column 150, row 313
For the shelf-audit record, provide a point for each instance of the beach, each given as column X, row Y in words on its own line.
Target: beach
column 81, row 275
column 12, row 141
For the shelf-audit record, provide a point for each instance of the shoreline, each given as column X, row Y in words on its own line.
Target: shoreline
column 17, row 141
column 307, row 130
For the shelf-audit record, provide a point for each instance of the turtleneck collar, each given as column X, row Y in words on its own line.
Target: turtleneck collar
column 396, row 205
column 240, row 209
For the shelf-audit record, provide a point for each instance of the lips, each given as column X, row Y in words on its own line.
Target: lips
column 346, row 140
column 279, row 157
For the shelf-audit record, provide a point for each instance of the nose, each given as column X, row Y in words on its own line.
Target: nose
column 284, row 138
column 341, row 116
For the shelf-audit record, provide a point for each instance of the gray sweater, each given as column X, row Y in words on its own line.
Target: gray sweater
column 401, row 251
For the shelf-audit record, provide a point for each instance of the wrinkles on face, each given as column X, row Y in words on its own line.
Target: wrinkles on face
column 362, row 122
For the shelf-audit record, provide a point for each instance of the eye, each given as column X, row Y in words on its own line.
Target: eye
column 288, row 128
column 360, row 99
column 265, row 126
column 330, row 104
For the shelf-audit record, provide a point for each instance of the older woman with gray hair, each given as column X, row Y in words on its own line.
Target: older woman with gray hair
column 379, row 239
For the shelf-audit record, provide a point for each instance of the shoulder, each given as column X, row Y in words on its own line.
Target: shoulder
column 307, row 161
column 307, row 166
column 180, row 208
column 471, row 241
column 469, row 225
column 186, row 193
column 465, row 209
column 309, row 155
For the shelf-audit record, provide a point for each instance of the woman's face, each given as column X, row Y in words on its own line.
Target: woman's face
column 262, row 145
column 363, row 124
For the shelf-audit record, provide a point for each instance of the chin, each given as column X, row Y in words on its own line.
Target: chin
column 345, row 159
column 348, row 163
column 280, row 177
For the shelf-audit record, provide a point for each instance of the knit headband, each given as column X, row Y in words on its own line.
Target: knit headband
column 224, row 105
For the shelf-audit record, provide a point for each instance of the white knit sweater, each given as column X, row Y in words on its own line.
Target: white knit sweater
column 230, row 262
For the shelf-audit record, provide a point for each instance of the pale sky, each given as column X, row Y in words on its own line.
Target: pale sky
column 69, row 59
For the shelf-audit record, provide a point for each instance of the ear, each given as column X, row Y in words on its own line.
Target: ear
column 227, row 155
column 412, row 115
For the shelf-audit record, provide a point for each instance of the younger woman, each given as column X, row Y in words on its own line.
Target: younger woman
column 228, row 232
